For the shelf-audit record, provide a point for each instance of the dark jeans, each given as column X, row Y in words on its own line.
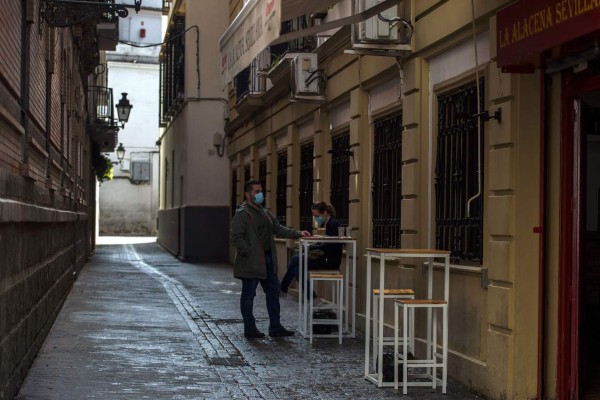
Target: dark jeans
column 293, row 272
column 270, row 286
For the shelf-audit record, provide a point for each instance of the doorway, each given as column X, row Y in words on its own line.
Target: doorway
column 589, row 284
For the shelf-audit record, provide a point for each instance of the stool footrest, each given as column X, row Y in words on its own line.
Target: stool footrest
column 332, row 276
column 394, row 291
column 420, row 301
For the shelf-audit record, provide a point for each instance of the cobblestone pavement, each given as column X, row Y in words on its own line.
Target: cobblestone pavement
column 139, row 324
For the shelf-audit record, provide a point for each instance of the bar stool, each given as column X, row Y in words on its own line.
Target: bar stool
column 337, row 281
column 433, row 359
column 388, row 294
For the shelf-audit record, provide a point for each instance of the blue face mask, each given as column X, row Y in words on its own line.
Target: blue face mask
column 259, row 198
column 319, row 220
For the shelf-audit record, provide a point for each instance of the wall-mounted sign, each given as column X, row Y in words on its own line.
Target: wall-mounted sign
column 528, row 27
column 256, row 26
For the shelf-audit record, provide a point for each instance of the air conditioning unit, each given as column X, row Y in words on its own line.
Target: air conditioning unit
column 379, row 28
column 389, row 33
column 305, row 80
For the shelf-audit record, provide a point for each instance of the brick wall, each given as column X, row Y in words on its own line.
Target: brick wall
column 45, row 184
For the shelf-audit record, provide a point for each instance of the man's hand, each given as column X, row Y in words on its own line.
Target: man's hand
column 305, row 233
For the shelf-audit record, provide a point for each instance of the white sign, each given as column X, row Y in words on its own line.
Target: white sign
column 256, row 26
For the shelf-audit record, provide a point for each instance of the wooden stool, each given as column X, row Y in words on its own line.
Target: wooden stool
column 387, row 294
column 338, row 299
column 431, row 360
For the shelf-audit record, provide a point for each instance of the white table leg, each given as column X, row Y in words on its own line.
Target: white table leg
column 380, row 318
column 354, row 289
column 368, row 316
column 301, row 314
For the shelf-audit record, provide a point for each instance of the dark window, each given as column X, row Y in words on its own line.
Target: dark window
column 172, row 67
column 459, row 212
column 340, row 171
column 247, row 175
column 262, row 176
column 306, row 185
column 281, row 186
column 386, row 187
column 234, row 182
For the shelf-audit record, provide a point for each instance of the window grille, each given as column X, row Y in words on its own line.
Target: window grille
column 234, row 182
column 262, row 177
column 340, row 171
column 456, row 175
column 172, row 67
column 247, row 175
column 386, row 186
column 306, row 186
column 305, row 44
column 281, row 199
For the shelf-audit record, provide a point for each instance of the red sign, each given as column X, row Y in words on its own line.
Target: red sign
column 528, row 27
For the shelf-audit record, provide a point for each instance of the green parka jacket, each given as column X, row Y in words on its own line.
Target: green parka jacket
column 250, row 256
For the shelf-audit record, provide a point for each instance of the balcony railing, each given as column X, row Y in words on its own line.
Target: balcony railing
column 172, row 67
column 252, row 81
column 101, row 124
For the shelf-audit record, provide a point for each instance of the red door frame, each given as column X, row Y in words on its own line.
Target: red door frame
column 570, row 236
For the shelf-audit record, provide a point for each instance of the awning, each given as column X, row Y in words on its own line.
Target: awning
column 258, row 25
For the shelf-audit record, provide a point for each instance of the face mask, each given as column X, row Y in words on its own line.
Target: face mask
column 319, row 220
column 259, row 198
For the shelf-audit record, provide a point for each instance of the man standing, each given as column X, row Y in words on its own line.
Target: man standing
column 252, row 234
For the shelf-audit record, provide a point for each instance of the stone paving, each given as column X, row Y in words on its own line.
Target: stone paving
column 139, row 324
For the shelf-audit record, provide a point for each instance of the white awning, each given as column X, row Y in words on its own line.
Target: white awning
column 258, row 25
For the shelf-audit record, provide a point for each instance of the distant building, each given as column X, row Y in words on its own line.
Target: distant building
column 128, row 203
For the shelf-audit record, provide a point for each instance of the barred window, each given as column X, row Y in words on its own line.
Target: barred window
column 234, row 182
column 281, row 199
column 247, row 175
column 172, row 71
column 459, row 211
column 340, row 171
column 386, row 186
column 262, row 177
column 306, row 185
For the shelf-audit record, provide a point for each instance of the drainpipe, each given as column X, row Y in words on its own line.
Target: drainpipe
column 545, row 83
column 25, row 48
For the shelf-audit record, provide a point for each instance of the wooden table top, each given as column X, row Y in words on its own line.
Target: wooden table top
column 408, row 251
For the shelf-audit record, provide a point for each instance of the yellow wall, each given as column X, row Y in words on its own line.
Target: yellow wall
column 493, row 329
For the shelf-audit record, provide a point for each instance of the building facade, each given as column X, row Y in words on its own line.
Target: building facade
column 128, row 204
column 466, row 126
column 193, row 219
column 56, row 118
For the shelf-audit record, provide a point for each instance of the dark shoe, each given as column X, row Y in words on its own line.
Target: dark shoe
column 254, row 334
column 280, row 332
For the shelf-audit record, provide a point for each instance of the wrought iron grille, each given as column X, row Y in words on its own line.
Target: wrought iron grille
column 305, row 44
column 340, row 171
column 306, row 185
column 172, row 67
column 281, row 199
column 234, row 182
column 386, row 187
column 262, row 176
column 247, row 175
column 456, row 175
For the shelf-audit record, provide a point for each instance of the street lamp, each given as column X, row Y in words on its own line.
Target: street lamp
column 123, row 110
column 120, row 152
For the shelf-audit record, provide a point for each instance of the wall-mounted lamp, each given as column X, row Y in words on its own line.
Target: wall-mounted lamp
column 219, row 143
column 123, row 110
column 120, row 154
column 485, row 115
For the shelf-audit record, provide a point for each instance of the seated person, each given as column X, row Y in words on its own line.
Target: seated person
column 321, row 255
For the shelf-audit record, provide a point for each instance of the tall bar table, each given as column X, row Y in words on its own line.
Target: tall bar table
column 395, row 254
column 303, row 247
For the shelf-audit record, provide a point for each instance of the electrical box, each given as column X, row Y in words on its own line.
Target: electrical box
column 376, row 29
column 305, row 74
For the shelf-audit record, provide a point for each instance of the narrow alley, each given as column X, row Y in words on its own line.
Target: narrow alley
column 139, row 324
